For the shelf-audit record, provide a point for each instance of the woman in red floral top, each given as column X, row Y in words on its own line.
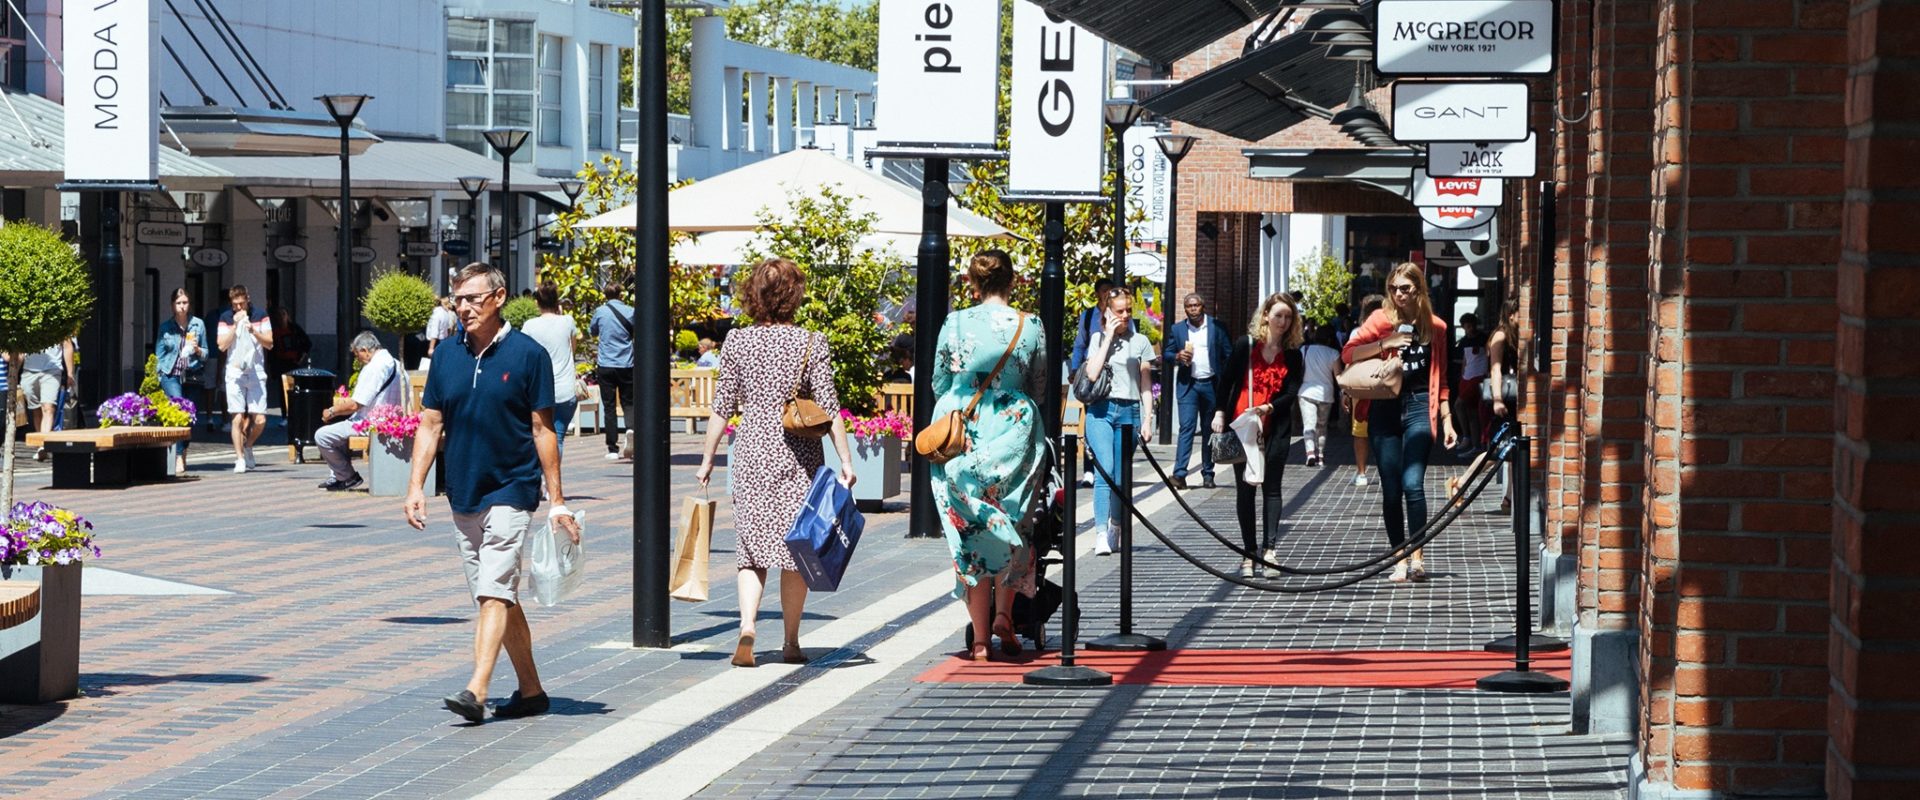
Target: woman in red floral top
column 1270, row 388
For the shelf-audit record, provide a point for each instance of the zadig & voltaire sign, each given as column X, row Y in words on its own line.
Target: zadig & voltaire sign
column 1464, row 37
column 112, row 118
column 1059, row 73
column 939, row 73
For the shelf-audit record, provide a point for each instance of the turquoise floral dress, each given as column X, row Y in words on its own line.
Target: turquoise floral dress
column 983, row 495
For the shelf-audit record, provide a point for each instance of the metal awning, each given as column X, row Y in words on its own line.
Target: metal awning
column 387, row 168
column 1390, row 170
column 1164, row 30
column 33, row 149
column 1260, row 94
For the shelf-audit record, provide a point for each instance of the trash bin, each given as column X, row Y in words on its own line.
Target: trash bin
column 312, row 393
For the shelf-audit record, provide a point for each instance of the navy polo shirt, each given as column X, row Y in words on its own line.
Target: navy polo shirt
column 486, row 404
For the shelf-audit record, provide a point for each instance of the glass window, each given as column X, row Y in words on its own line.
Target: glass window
column 552, row 101
column 466, row 71
column 551, row 50
column 550, row 127
column 467, row 35
column 513, row 74
column 513, row 110
column 466, row 108
column 597, row 97
column 513, row 37
column 470, row 139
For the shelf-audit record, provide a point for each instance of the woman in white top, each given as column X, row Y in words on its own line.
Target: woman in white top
column 557, row 333
column 1317, row 392
column 1130, row 402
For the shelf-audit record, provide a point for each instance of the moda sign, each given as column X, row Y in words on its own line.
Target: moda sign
column 1464, row 37
column 112, row 119
column 1460, row 111
column 939, row 73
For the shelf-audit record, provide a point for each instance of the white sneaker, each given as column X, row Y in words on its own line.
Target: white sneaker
column 613, row 456
column 1101, row 545
column 1360, row 480
column 239, row 466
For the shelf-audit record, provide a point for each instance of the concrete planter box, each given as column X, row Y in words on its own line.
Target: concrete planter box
column 40, row 659
column 876, row 465
column 389, row 464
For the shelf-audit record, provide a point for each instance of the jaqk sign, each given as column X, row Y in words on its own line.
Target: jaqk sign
column 1464, row 37
column 1460, row 111
column 1059, row 73
column 112, row 125
column 939, row 73
column 1432, row 192
column 1458, row 218
column 1483, row 159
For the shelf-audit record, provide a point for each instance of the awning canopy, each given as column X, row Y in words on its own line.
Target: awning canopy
column 1166, row 30
column 33, row 149
column 1390, row 170
column 410, row 166
column 1260, row 94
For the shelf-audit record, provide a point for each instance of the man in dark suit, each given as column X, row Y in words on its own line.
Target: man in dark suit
column 1198, row 348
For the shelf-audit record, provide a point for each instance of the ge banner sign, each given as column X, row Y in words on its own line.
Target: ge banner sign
column 1464, row 37
column 1493, row 111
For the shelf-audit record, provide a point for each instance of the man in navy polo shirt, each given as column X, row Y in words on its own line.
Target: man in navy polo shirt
column 491, row 391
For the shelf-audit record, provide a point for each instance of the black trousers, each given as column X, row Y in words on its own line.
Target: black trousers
column 614, row 381
column 1271, row 500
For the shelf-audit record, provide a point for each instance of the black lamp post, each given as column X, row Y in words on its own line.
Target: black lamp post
column 344, row 108
column 572, row 188
column 1120, row 115
column 1175, row 147
column 473, row 185
column 505, row 142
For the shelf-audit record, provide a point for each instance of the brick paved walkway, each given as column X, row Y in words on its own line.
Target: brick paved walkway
column 320, row 675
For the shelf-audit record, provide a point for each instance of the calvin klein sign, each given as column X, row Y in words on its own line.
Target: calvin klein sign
column 1487, row 111
column 939, row 73
column 1432, row 192
column 1483, row 159
column 112, row 119
column 1059, row 73
column 1464, row 37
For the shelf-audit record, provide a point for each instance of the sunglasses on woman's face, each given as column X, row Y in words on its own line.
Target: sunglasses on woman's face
column 1404, row 288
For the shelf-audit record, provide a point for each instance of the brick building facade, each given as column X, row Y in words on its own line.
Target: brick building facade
column 1722, row 400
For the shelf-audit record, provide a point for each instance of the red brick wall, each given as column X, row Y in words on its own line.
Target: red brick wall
column 1873, row 713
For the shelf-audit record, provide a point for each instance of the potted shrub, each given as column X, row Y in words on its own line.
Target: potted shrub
column 40, row 659
column 389, row 431
column 518, row 310
column 399, row 303
column 875, row 441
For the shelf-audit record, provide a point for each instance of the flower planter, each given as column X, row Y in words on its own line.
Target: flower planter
column 40, row 659
column 389, row 466
column 876, row 465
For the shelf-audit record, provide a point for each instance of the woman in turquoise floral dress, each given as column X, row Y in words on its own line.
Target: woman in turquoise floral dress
column 983, row 495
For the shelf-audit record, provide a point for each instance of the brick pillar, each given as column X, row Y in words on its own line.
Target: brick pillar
column 1873, row 711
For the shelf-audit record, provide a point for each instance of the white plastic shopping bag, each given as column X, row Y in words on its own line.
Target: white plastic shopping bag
column 1247, row 428
column 555, row 565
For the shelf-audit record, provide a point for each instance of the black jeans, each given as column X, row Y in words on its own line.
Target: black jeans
column 615, row 381
column 1271, row 500
column 1402, row 436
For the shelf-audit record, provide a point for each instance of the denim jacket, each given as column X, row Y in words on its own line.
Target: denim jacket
column 173, row 341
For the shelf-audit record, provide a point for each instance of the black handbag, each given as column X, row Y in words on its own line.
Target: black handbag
column 1093, row 390
column 1227, row 449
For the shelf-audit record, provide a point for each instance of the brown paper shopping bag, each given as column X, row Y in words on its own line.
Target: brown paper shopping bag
column 689, row 581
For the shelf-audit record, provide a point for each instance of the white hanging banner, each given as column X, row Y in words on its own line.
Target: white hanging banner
column 113, row 108
column 1432, row 192
column 1464, row 37
column 1059, row 74
column 1146, row 169
column 1483, row 159
column 939, row 73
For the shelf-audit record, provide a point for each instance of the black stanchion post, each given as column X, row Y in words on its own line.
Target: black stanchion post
column 1122, row 472
column 1067, row 673
column 1522, row 678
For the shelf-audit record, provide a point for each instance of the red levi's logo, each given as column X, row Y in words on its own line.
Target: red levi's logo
column 1465, row 187
column 1455, row 212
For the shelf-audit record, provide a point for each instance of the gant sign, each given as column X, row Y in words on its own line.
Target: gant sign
column 1464, row 37
column 1493, row 111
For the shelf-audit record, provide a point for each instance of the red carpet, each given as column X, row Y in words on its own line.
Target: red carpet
column 1371, row 669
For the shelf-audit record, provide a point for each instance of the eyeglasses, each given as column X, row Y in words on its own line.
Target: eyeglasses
column 473, row 299
column 1404, row 288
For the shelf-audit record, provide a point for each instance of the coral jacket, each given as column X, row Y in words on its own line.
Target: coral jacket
column 1378, row 327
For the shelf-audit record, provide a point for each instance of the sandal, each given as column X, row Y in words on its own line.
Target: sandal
column 792, row 654
column 743, row 652
column 1399, row 573
column 979, row 652
column 1003, row 628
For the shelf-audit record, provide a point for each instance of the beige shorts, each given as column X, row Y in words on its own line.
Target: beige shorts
column 41, row 388
column 246, row 393
column 489, row 545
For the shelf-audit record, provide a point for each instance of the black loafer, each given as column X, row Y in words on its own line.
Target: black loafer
column 466, row 705
column 341, row 486
column 1208, row 483
column 1178, row 482
column 517, row 706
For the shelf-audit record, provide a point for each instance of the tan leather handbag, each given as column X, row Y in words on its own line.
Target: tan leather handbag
column 946, row 438
column 1372, row 379
column 802, row 416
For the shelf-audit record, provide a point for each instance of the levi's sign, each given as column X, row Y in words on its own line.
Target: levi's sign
column 1458, row 111
column 1432, row 192
column 1458, row 218
column 1464, row 37
column 939, row 73
column 1059, row 79
column 1482, row 159
column 112, row 119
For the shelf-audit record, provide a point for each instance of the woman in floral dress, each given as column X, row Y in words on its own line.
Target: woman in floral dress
column 772, row 470
column 983, row 494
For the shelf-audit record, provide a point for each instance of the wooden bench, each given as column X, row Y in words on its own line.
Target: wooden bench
column 109, row 456
column 690, row 394
column 899, row 397
column 19, row 602
column 355, row 444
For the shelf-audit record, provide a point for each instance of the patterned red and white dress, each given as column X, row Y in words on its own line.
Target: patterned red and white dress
column 759, row 367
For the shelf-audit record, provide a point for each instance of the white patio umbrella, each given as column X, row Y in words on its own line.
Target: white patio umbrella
column 731, row 247
column 731, row 201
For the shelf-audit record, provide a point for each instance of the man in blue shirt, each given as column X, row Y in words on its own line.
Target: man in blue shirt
column 1199, row 348
column 491, row 390
column 612, row 324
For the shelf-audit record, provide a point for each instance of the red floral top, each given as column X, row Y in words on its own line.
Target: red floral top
column 1267, row 378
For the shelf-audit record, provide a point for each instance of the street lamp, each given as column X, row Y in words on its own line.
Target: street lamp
column 505, row 141
column 344, row 108
column 1120, row 114
column 473, row 185
column 1174, row 146
column 572, row 188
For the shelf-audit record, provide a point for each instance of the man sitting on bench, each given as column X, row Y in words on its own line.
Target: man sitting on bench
column 381, row 382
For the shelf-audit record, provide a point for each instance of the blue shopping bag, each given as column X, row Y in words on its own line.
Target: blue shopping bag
column 825, row 532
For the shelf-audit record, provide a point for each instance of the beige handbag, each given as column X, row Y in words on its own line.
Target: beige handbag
column 1372, row 379
column 946, row 438
column 803, row 416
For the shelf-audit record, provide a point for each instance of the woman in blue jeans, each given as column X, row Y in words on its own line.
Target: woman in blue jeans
column 1401, row 429
column 1129, row 358
column 178, row 356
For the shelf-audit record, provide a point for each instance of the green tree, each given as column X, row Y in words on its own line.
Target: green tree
column 846, row 283
column 1327, row 284
column 399, row 303
column 520, row 309
column 45, row 296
